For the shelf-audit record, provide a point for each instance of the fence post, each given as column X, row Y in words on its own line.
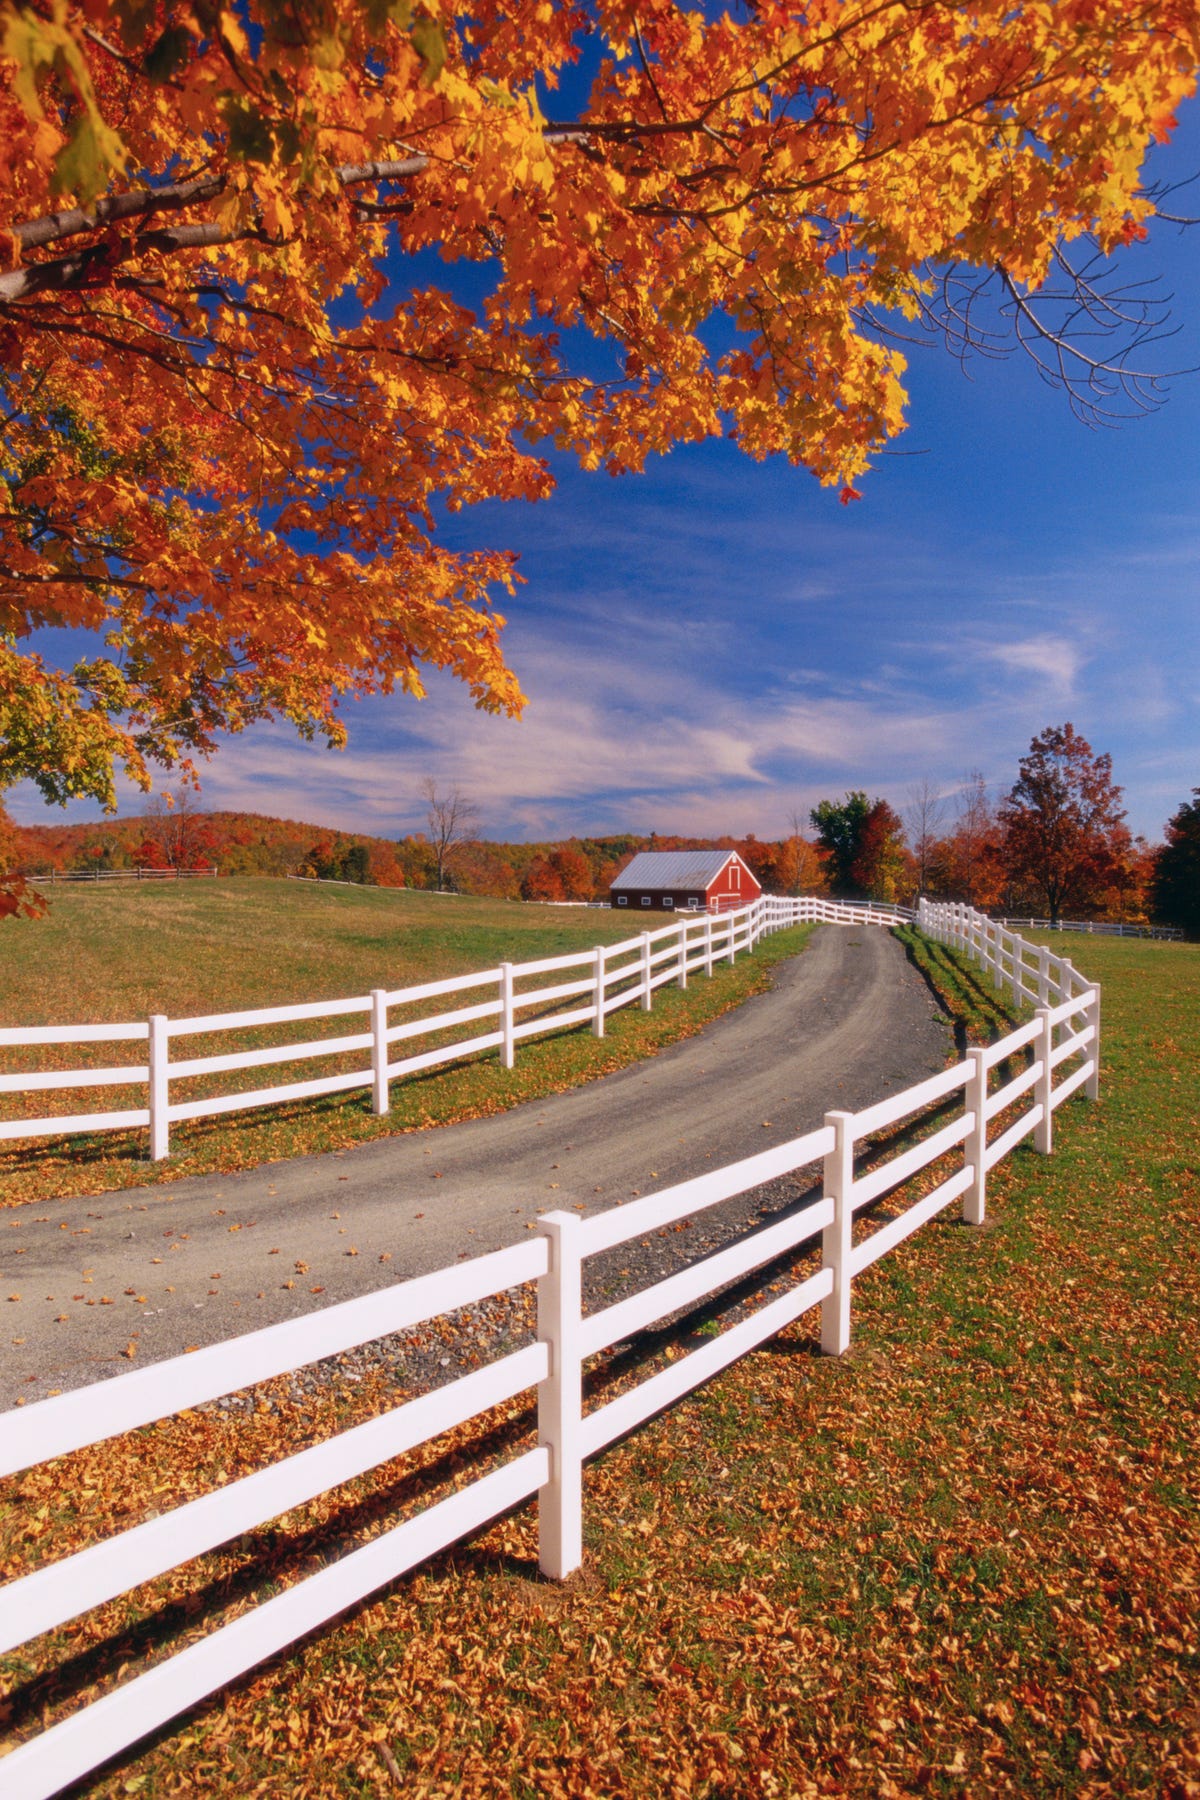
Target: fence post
column 647, row 992
column 1043, row 1131
column 682, row 975
column 598, row 1021
column 836, row 1237
column 1043, row 975
column 974, row 1199
column 729, row 943
column 708, row 957
column 506, row 1015
column 1092, row 1085
column 380, row 1098
column 159, row 1061
column 560, row 1397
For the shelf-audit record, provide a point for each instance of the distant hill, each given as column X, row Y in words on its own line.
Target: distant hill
column 255, row 844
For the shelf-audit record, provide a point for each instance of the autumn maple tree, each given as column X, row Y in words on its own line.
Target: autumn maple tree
column 178, row 834
column 1064, row 839
column 17, row 898
column 241, row 382
column 968, row 862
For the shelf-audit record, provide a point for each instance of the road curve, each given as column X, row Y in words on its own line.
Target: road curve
column 845, row 1023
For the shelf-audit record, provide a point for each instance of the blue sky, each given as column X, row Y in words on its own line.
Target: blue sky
column 716, row 644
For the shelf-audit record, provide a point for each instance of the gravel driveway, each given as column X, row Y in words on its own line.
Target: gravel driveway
column 108, row 1282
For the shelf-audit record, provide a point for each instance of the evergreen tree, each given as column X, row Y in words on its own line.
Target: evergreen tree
column 1175, row 893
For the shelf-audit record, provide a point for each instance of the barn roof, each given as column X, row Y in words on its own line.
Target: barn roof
column 673, row 869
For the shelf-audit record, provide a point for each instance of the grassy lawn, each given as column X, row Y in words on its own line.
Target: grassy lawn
column 963, row 1560
column 121, row 951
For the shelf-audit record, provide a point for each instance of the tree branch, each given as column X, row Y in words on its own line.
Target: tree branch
column 53, row 227
column 93, row 266
column 24, row 578
column 108, row 211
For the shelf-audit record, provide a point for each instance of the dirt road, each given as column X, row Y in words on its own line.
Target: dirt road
column 91, row 1288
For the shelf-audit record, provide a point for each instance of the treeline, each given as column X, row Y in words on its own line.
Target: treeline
column 181, row 836
column 1054, row 845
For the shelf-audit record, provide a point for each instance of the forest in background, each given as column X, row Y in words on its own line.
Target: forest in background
column 1056, row 844
column 884, row 861
column 255, row 844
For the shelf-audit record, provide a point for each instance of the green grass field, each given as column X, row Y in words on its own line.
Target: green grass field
column 963, row 1560
column 127, row 949
column 121, row 951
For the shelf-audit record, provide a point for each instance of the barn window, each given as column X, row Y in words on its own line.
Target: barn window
column 668, row 902
column 645, row 899
column 735, row 876
column 622, row 900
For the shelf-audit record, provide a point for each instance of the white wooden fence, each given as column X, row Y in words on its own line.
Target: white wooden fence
column 586, row 986
column 990, row 1113
column 54, row 875
column 1098, row 928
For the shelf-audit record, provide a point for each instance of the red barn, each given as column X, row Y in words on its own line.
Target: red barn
column 685, row 881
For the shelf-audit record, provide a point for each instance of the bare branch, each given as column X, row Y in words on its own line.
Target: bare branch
column 453, row 820
column 1086, row 332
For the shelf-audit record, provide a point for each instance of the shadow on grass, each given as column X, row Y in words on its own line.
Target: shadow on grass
column 975, row 1010
column 461, row 1088
column 275, row 1558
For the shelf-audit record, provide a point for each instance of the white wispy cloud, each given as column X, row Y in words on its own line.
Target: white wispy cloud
column 1054, row 660
column 716, row 646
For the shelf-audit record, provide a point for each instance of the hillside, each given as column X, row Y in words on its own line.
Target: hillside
column 239, row 843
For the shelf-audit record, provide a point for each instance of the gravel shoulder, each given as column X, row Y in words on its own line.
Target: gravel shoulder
column 94, row 1287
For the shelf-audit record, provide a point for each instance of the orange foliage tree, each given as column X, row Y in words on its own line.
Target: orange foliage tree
column 883, row 868
column 17, row 898
column 565, row 874
column 236, row 397
column 1065, row 841
column 968, row 863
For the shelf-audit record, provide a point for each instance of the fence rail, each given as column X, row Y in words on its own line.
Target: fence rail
column 594, row 984
column 1098, row 928
column 55, row 875
column 991, row 1111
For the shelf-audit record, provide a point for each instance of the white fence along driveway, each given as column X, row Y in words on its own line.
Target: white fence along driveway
column 974, row 1115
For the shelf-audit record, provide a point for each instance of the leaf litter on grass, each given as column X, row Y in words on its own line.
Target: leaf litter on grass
column 962, row 1560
